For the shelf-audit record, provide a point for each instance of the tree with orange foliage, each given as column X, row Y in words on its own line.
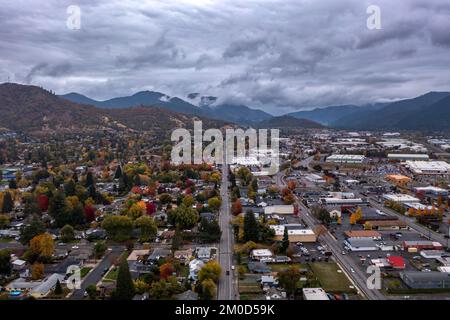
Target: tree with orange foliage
column 411, row 212
column 236, row 208
column 292, row 184
column 166, row 270
column 353, row 218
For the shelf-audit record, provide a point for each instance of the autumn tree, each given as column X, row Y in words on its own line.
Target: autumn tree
column 147, row 227
column 118, row 228
column 211, row 270
column 42, row 246
column 208, row 290
column 166, row 270
column 288, row 279
column 37, row 271
column 236, row 208
column 214, row 203
column 183, row 216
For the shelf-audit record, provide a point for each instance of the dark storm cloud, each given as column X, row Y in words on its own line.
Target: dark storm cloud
column 278, row 55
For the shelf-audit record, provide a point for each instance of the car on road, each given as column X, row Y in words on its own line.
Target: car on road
column 343, row 253
column 228, row 272
column 232, row 267
column 352, row 270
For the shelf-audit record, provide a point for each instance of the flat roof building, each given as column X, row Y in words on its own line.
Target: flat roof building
column 346, row 158
column 406, row 156
column 315, row 294
column 296, row 233
column 425, row 280
column 428, row 167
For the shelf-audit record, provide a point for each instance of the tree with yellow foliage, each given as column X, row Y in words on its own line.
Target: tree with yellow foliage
column 367, row 226
column 358, row 214
column 37, row 271
column 42, row 246
column 411, row 212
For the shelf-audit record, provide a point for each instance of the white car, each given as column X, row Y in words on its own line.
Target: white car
column 232, row 267
column 352, row 270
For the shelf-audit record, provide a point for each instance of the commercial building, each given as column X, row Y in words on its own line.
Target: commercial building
column 428, row 167
column 388, row 225
column 296, row 233
column 363, row 234
column 355, row 244
column 315, row 294
column 261, row 254
column 346, row 158
column 406, row 156
column 422, row 244
column 398, row 179
column 425, row 280
column 400, row 198
column 279, row 209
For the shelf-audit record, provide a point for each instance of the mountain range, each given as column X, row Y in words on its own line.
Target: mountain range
column 29, row 108
column 33, row 109
column 203, row 106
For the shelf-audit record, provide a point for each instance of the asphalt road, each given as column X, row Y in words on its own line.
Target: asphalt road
column 358, row 278
column 227, row 289
column 96, row 274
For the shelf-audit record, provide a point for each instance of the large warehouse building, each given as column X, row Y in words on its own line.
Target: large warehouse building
column 428, row 167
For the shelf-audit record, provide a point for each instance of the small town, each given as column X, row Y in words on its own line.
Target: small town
column 108, row 217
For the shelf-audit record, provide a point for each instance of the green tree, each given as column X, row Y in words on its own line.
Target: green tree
column 118, row 228
column 125, row 287
column 58, row 289
column 67, row 233
column 289, row 278
column 251, row 232
column 285, row 242
column 208, row 290
column 58, row 208
column 8, row 203
column 147, row 227
column 183, row 216
column 5, row 262
column 214, row 203
column 92, row 291
column 100, row 249
column 36, row 227
column 211, row 270
column 31, row 205
column 4, row 221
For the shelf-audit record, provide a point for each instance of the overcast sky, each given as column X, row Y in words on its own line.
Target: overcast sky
column 275, row 55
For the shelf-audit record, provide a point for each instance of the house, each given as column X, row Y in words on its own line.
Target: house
column 258, row 267
column 18, row 264
column 205, row 253
column 158, row 253
column 355, row 244
column 314, row 294
column 425, row 280
column 184, row 256
column 187, row 295
column 269, row 281
column 44, row 288
column 194, row 267
column 261, row 255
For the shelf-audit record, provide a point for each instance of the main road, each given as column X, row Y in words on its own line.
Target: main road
column 227, row 289
column 348, row 265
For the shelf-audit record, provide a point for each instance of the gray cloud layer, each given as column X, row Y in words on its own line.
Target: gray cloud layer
column 278, row 55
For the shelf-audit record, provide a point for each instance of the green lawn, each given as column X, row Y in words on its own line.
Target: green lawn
column 277, row 267
column 329, row 277
column 111, row 275
column 84, row 271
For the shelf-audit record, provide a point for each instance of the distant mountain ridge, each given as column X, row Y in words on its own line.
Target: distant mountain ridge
column 285, row 122
column 406, row 114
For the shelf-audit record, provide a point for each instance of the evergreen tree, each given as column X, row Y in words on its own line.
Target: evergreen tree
column 125, row 287
column 31, row 206
column 57, row 208
column 118, row 172
column 58, row 288
column 285, row 242
column 251, row 232
column 89, row 179
column 36, row 227
column 70, row 188
column 12, row 184
column 8, row 203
